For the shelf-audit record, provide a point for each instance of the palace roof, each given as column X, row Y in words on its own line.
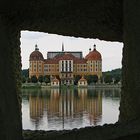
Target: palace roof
column 94, row 55
column 36, row 55
column 66, row 56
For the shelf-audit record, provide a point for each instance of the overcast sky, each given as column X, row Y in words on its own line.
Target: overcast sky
column 111, row 51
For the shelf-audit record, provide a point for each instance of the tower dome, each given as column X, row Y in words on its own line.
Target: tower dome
column 93, row 55
column 36, row 54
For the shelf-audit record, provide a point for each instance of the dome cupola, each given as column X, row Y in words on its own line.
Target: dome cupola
column 36, row 54
column 93, row 55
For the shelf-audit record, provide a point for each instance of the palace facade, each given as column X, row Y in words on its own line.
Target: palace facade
column 65, row 65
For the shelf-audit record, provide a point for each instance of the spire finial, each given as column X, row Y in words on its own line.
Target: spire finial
column 36, row 47
column 89, row 49
column 94, row 46
column 62, row 47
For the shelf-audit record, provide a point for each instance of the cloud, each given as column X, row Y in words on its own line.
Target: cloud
column 32, row 35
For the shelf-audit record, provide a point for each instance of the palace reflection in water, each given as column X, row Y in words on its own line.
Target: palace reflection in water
column 65, row 109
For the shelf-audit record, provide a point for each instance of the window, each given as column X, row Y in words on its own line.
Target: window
column 66, row 65
column 70, row 64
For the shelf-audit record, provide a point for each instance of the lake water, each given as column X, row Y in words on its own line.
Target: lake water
column 56, row 109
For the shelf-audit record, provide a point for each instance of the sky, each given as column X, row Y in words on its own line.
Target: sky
column 111, row 51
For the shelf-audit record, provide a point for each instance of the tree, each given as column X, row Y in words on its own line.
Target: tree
column 23, row 79
column 95, row 78
column 117, row 79
column 102, row 79
column 91, row 78
column 108, row 78
column 41, row 78
column 25, row 73
column 76, row 79
column 88, row 78
column 46, row 79
column 34, row 79
column 116, row 74
column 28, row 80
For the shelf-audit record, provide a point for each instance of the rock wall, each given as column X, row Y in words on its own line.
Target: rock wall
column 85, row 18
column 130, row 100
column 124, row 131
column 10, row 66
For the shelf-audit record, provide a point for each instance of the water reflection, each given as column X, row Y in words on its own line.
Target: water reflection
column 65, row 109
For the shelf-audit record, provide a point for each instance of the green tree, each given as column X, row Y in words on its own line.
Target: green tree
column 41, row 78
column 117, row 79
column 23, row 79
column 91, row 78
column 76, row 79
column 25, row 73
column 34, row 79
column 95, row 78
column 28, row 80
column 102, row 79
column 88, row 78
column 46, row 79
column 108, row 78
column 116, row 74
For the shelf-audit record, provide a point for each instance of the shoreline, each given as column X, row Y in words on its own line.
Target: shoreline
column 95, row 86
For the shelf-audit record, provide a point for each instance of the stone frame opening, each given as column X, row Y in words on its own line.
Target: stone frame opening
column 68, row 36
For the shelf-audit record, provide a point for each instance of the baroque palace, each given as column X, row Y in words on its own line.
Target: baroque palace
column 63, row 66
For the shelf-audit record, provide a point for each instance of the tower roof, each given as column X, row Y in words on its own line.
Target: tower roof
column 93, row 55
column 36, row 54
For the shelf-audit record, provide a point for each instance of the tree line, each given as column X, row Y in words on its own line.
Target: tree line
column 113, row 76
column 34, row 79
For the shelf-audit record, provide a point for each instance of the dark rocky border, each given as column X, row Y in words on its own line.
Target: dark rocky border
column 128, row 130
